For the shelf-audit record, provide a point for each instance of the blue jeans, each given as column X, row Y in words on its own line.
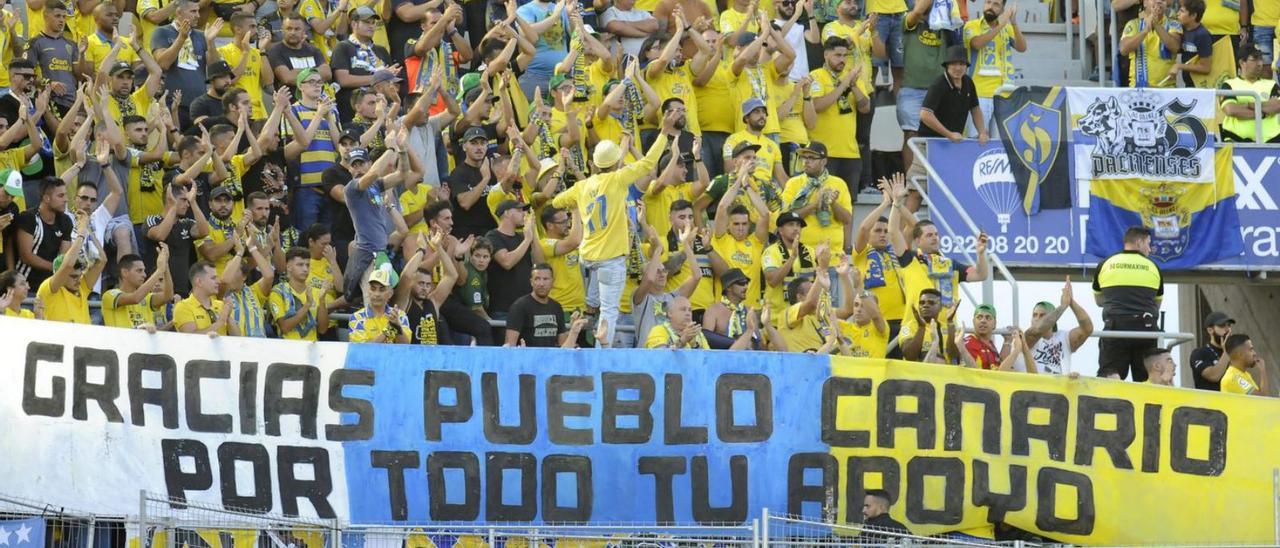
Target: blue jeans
column 889, row 27
column 605, row 281
column 712, row 151
column 1263, row 38
column 309, row 207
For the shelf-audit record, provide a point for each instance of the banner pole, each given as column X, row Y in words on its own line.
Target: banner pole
column 143, row 541
column 1275, row 501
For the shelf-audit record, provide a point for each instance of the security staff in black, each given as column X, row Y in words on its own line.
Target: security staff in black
column 1128, row 286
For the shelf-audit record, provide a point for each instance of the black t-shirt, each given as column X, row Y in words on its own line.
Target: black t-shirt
column 343, row 229
column 879, row 525
column 426, row 324
column 950, row 105
column 400, row 31
column 46, row 238
column 539, row 324
column 358, row 61
column 476, row 221
column 181, row 250
column 201, row 182
column 1194, row 44
column 505, row 286
column 208, row 106
column 1201, row 359
column 306, row 56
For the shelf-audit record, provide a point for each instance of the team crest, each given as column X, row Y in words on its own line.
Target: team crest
column 1036, row 149
column 1167, row 220
column 1136, row 136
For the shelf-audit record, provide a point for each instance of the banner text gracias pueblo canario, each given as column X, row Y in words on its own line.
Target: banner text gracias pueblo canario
column 372, row 433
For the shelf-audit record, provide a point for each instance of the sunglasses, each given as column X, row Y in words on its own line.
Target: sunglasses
column 90, row 199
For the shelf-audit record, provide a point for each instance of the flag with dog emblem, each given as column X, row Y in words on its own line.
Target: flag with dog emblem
column 24, row 533
column 1150, row 159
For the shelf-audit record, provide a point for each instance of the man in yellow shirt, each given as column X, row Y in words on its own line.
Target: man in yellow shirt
column 13, row 290
column 839, row 98
column 734, row 241
column 133, row 304
column 1245, row 367
column 249, row 68
column 1151, row 42
column 925, row 267
column 876, row 246
column 806, row 323
column 991, row 42
column 769, row 156
column 66, row 292
column 298, row 310
column 784, row 261
column 866, row 330
column 559, row 248
column 324, row 269
column 380, row 321
column 821, row 199
column 679, row 331
column 601, row 202
column 201, row 312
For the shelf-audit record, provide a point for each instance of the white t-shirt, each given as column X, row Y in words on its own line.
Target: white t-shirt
column 1052, row 354
column 795, row 38
column 630, row 45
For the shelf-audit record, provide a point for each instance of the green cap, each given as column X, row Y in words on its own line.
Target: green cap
column 12, row 181
column 383, row 272
column 555, row 82
column 1047, row 305
column 985, row 308
column 303, row 75
column 468, row 82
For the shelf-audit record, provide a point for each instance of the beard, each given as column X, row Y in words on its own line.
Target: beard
column 680, row 123
column 990, row 16
column 757, row 124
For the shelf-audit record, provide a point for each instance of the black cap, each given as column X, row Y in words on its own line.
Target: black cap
column 475, row 132
column 790, row 217
column 743, row 147
column 733, row 276
column 357, row 154
column 220, row 191
column 508, row 205
column 956, row 54
column 1218, row 318
column 815, row 148
column 221, row 68
column 121, row 66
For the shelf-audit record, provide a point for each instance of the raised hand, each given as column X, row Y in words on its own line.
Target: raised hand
column 211, row 31
column 1067, row 297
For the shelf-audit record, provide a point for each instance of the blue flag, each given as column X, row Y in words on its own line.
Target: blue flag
column 24, row 533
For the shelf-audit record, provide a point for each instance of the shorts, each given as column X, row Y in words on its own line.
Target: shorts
column 889, row 27
column 1122, row 356
column 118, row 222
column 910, row 101
column 1263, row 38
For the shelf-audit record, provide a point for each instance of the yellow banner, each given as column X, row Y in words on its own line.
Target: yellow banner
column 1086, row 461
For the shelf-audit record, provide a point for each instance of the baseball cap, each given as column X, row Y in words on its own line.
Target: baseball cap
column 219, row 191
column 121, row 67
column 474, row 132
column 733, row 276
column 752, row 104
column 743, row 147
column 382, row 276
column 746, row 38
column 468, row 82
column 985, row 308
column 508, row 205
column 364, row 12
column 556, row 81
column 384, row 76
column 12, row 181
column 790, row 217
column 221, row 68
column 815, row 148
column 357, row 154
column 606, row 154
column 303, row 75
column 1218, row 318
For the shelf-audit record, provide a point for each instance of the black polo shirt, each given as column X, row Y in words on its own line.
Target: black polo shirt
column 950, row 105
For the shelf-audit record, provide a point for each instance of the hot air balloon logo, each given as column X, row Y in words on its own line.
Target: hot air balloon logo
column 993, row 180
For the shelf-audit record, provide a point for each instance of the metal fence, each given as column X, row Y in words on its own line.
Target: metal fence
column 785, row 531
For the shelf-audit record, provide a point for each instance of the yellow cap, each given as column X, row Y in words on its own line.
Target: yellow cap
column 606, row 154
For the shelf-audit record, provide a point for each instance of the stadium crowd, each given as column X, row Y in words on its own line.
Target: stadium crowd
column 683, row 168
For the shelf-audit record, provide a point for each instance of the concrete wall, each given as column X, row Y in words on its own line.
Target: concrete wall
column 1256, row 309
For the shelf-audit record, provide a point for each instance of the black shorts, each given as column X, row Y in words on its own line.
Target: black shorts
column 1119, row 356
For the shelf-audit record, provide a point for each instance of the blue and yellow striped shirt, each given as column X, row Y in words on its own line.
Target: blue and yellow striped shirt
column 321, row 153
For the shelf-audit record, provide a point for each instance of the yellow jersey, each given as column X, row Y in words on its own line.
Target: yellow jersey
column 601, row 201
column 838, row 122
column 284, row 302
column 1221, row 19
column 732, row 21
column 251, row 79
column 744, row 255
column 755, row 82
column 146, row 186
column 136, row 103
column 99, row 45
column 802, row 334
column 775, row 255
column 20, row 313
column 65, row 306
column 412, row 200
column 189, row 310
column 814, row 231
column 569, row 289
column 662, row 336
column 365, row 326
column 1238, row 381
column 657, row 205
column 867, row 341
column 859, row 50
column 769, row 155
column 131, row 316
column 791, row 126
column 312, row 10
column 716, row 111
column 992, row 65
column 677, row 82
column 882, row 276
column 1149, row 64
